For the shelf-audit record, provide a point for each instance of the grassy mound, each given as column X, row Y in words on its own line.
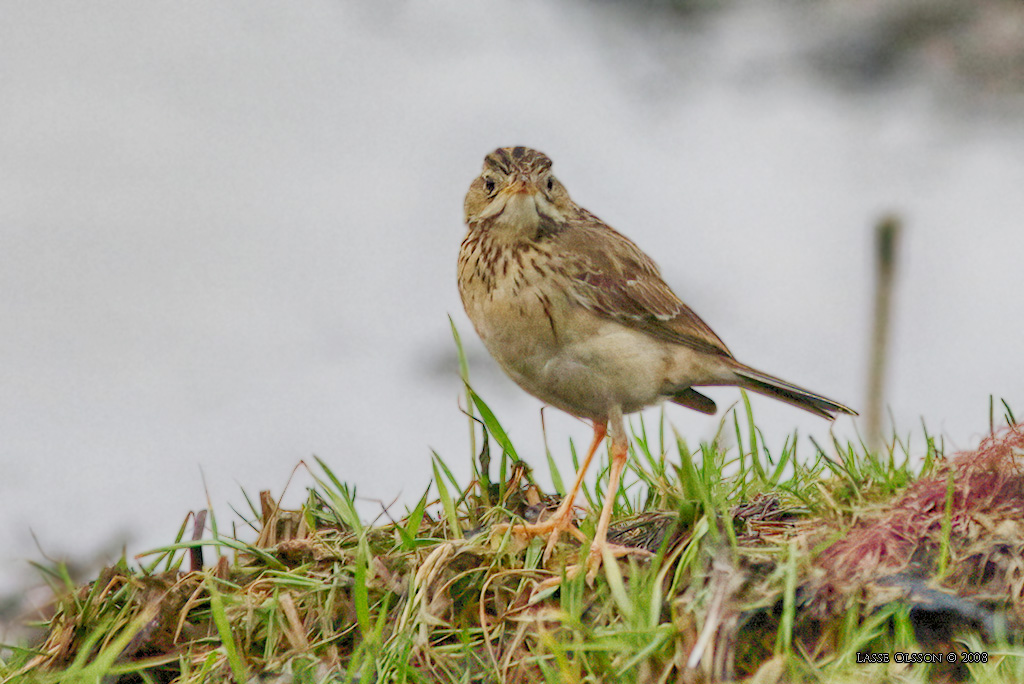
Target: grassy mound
column 853, row 567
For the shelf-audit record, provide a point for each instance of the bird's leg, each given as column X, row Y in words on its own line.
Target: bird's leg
column 619, row 453
column 561, row 520
column 562, row 516
column 598, row 547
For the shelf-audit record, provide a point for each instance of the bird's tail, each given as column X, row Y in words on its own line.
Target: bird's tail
column 770, row 386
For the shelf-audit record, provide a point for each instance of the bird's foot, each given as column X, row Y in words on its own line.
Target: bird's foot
column 592, row 564
column 598, row 550
column 561, row 521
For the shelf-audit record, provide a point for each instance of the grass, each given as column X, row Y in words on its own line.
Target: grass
column 764, row 567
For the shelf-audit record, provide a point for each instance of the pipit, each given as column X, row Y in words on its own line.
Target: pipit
column 581, row 319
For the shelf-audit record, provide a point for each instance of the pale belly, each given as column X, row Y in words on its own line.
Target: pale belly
column 577, row 361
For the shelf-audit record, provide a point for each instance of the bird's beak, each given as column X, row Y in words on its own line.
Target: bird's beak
column 519, row 201
column 521, row 185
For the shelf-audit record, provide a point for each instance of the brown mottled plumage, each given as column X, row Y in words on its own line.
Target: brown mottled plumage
column 580, row 317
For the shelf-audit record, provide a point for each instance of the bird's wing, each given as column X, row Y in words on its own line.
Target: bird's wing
column 610, row 275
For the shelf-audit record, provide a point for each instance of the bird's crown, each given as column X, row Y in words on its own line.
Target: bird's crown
column 507, row 160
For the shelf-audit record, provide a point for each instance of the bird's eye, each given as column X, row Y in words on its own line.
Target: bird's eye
column 489, row 184
column 551, row 183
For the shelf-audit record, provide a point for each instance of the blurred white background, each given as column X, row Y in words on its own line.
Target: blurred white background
column 228, row 232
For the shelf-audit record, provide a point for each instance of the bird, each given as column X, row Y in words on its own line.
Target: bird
column 580, row 317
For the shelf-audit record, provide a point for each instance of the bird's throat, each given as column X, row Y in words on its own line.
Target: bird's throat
column 524, row 218
column 521, row 214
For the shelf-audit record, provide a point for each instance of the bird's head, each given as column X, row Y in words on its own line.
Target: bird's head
column 517, row 191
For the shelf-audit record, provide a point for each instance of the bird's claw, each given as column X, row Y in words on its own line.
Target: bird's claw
column 553, row 527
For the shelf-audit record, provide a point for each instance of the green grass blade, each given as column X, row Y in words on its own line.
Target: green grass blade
column 340, row 497
column 227, row 638
column 447, row 502
column 493, row 426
